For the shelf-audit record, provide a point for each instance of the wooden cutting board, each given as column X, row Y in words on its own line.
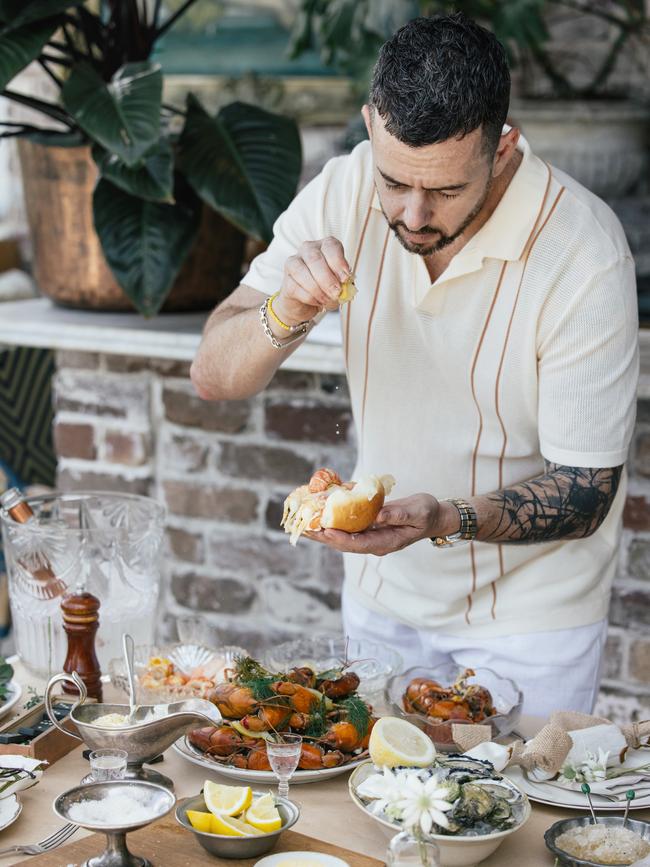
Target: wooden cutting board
column 166, row 844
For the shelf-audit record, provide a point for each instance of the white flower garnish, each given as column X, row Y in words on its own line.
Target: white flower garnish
column 591, row 769
column 422, row 803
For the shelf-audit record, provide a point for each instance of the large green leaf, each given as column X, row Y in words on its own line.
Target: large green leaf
column 123, row 116
column 152, row 178
column 245, row 163
column 19, row 47
column 144, row 243
column 16, row 13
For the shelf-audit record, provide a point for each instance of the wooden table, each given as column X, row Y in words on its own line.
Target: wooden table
column 327, row 812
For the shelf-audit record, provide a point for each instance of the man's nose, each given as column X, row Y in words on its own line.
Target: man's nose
column 417, row 213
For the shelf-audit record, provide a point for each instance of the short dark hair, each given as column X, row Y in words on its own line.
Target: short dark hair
column 440, row 78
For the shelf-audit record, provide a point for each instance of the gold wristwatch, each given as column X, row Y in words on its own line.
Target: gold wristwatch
column 468, row 527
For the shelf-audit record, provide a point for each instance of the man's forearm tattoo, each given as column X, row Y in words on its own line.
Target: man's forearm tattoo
column 564, row 503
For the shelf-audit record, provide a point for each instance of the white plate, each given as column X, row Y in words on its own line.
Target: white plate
column 185, row 748
column 318, row 859
column 556, row 796
column 14, row 692
column 10, row 809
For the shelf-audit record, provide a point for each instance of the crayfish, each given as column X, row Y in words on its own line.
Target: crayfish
column 460, row 701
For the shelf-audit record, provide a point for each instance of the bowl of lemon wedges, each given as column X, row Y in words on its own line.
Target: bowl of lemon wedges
column 236, row 821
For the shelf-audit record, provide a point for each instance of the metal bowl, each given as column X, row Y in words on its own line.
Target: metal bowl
column 237, row 847
column 641, row 827
column 506, row 695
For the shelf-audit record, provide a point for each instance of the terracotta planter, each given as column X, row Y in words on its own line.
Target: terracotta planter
column 602, row 144
column 69, row 266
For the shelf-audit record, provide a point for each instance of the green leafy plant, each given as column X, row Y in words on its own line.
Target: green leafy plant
column 6, row 673
column 157, row 164
column 348, row 34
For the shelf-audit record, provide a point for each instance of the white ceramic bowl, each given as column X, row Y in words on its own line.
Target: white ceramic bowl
column 455, row 851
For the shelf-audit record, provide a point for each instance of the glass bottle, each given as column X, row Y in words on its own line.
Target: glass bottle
column 408, row 850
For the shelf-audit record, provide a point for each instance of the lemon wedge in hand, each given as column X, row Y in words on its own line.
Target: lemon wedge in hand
column 348, row 290
column 264, row 815
column 226, row 800
column 395, row 741
column 229, row 826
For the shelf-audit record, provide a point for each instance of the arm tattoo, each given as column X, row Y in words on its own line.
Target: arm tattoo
column 563, row 503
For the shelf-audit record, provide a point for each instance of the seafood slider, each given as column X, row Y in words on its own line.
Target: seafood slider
column 326, row 502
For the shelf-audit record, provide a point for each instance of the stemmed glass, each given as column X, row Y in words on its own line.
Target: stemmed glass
column 284, row 754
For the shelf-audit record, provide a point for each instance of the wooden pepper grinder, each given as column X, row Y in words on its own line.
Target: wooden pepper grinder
column 81, row 622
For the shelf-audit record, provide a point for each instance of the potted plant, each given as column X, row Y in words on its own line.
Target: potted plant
column 170, row 192
column 573, row 111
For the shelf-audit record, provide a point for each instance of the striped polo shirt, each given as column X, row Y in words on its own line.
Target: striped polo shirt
column 524, row 349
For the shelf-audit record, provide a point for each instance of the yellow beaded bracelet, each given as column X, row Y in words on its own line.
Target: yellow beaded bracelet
column 275, row 316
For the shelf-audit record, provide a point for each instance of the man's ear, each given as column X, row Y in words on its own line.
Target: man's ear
column 505, row 149
column 366, row 113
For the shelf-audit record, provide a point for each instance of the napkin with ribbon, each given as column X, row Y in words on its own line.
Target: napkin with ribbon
column 19, row 772
column 567, row 738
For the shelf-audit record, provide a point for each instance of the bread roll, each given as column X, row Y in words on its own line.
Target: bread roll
column 328, row 503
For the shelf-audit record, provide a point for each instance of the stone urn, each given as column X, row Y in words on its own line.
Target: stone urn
column 603, row 144
column 69, row 265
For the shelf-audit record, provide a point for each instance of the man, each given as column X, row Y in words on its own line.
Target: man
column 491, row 358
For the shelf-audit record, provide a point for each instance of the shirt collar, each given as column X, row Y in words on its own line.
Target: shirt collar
column 506, row 233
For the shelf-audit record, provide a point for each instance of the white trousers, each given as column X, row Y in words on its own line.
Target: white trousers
column 558, row 670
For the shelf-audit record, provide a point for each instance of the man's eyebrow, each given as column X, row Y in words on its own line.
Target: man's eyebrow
column 427, row 189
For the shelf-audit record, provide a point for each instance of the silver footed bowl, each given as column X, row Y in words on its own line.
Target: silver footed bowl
column 155, row 727
column 157, row 799
column 237, row 847
column 639, row 826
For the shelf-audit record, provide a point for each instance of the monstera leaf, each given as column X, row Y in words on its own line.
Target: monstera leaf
column 152, row 178
column 18, row 47
column 145, row 243
column 244, row 163
column 122, row 116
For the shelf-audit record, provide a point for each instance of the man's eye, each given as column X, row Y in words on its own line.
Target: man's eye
column 392, row 186
column 449, row 195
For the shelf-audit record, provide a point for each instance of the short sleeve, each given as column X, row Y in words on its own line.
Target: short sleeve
column 588, row 371
column 302, row 221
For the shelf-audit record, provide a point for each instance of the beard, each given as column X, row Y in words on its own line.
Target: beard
column 443, row 240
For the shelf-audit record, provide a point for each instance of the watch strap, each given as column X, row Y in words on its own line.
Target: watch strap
column 468, row 526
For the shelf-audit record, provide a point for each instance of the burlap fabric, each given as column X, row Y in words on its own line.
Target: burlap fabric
column 550, row 747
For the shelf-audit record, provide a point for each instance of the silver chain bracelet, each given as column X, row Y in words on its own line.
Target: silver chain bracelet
column 300, row 331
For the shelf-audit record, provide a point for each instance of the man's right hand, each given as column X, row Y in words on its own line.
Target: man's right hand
column 312, row 281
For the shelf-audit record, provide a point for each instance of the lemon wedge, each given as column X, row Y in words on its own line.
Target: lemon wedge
column 200, row 821
column 229, row 826
column 226, row 800
column 263, row 814
column 348, row 290
column 395, row 741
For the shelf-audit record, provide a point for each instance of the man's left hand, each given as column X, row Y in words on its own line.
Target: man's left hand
column 399, row 524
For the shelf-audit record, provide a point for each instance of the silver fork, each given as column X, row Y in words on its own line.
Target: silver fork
column 57, row 839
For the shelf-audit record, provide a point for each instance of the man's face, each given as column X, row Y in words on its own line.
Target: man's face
column 429, row 194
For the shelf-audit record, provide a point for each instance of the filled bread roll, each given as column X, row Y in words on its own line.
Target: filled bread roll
column 328, row 503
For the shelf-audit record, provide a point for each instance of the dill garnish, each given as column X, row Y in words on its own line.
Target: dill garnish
column 317, row 725
column 358, row 713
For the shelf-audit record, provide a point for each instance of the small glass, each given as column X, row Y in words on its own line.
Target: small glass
column 284, row 755
column 408, row 850
column 107, row 765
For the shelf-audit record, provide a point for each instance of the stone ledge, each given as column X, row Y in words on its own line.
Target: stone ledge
column 37, row 322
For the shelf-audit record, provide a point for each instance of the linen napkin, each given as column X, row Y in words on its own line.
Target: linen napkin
column 566, row 738
column 26, row 773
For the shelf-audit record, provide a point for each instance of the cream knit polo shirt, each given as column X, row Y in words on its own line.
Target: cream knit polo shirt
column 525, row 348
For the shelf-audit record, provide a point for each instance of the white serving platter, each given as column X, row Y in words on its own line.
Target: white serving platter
column 194, row 755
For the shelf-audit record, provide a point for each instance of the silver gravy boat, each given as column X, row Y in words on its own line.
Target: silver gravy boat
column 156, row 727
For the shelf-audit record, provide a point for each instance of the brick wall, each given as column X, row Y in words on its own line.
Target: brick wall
column 223, row 469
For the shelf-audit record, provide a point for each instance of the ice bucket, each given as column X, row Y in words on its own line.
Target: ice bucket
column 105, row 543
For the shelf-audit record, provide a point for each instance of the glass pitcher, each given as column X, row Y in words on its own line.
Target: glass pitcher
column 105, row 543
